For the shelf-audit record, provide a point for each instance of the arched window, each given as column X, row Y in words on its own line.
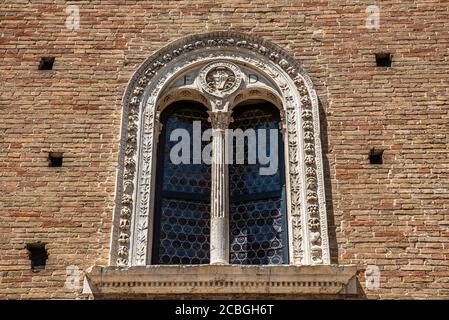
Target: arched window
column 182, row 214
column 257, row 211
column 220, row 213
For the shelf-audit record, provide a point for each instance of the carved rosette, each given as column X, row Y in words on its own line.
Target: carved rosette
column 218, row 79
column 312, row 203
column 129, row 171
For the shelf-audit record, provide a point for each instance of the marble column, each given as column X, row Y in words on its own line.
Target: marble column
column 219, row 223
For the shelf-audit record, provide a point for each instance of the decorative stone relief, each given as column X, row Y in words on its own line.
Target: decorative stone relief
column 220, row 78
column 220, row 85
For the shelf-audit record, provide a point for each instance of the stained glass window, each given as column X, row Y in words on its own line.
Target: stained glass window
column 258, row 228
column 182, row 221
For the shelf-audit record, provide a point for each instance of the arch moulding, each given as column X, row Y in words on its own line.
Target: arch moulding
column 259, row 70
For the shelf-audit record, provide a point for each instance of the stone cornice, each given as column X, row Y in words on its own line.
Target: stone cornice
column 196, row 280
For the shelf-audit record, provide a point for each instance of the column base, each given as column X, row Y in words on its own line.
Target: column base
column 219, row 262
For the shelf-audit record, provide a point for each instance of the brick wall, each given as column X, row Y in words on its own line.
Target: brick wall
column 394, row 215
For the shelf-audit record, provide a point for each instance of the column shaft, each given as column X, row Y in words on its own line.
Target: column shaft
column 219, row 223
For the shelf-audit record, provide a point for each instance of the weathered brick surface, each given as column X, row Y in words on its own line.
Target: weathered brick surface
column 395, row 215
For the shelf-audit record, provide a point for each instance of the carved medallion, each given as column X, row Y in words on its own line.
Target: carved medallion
column 220, row 78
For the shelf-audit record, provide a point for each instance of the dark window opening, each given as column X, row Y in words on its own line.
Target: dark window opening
column 257, row 208
column 383, row 60
column 46, row 63
column 376, row 156
column 38, row 255
column 182, row 208
column 55, row 159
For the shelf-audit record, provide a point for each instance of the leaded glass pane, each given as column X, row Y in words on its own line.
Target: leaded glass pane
column 184, row 234
column 257, row 229
column 189, row 178
column 245, row 179
column 258, row 232
column 182, row 226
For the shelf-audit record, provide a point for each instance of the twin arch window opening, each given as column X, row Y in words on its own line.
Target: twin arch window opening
column 257, row 206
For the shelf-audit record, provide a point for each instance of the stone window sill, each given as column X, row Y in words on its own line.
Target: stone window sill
column 221, row 281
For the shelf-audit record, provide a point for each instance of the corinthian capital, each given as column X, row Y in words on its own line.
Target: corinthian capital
column 219, row 119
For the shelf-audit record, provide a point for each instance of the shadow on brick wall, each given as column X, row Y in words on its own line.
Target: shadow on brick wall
column 333, row 245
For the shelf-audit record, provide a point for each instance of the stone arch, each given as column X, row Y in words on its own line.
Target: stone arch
column 266, row 94
column 194, row 56
column 182, row 94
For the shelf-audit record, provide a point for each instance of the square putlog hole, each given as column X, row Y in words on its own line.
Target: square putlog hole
column 376, row 156
column 55, row 159
column 46, row 63
column 383, row 60
column 38, row 255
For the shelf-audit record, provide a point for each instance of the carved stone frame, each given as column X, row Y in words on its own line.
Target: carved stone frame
column 146, row 94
